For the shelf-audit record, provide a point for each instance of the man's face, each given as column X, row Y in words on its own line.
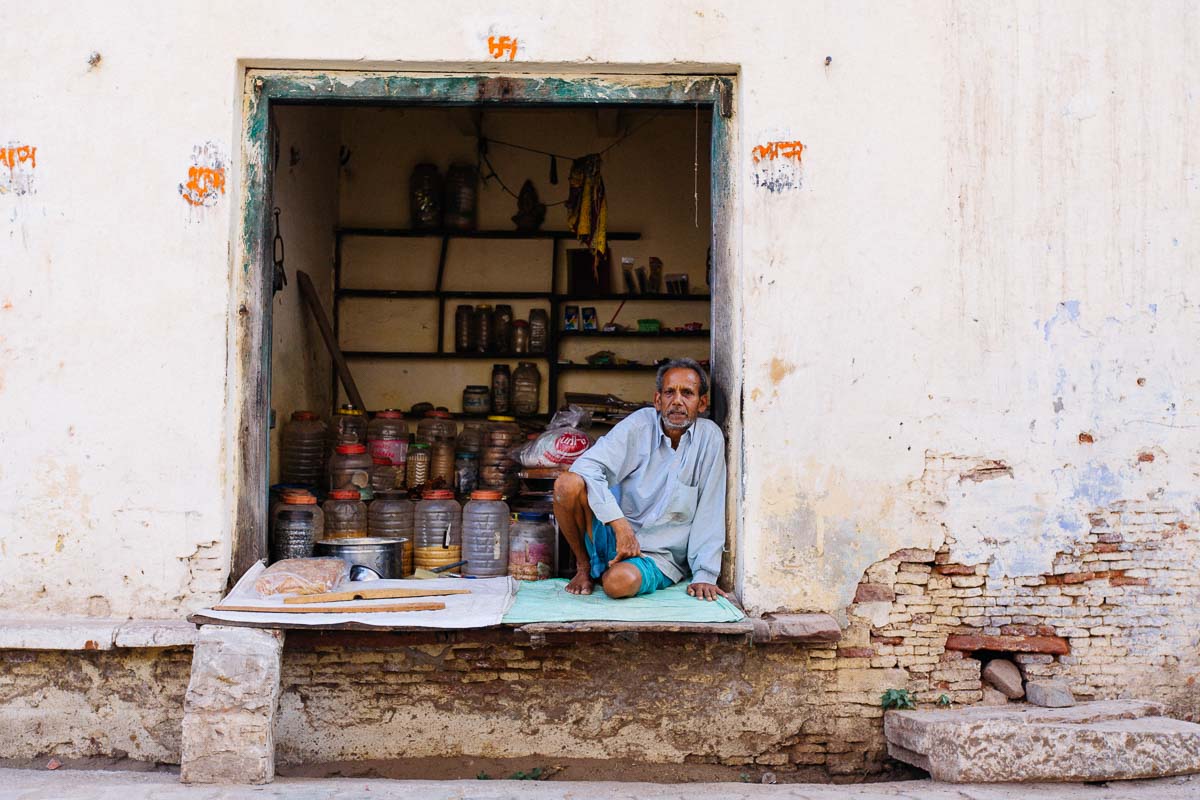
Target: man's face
column 680, row 401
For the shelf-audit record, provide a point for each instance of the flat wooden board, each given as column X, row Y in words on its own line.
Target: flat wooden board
column 343, row 609
column 371, row 594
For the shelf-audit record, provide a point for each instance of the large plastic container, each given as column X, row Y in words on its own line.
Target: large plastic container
column 350, row 466
column 485, row 521
column 437, row 428
column 293, row 534
column 531, row 541
column 300, row 500
column 386, row 476
column 392, row 516
column 345, row 515
column 466, row 474
column 470, row 438
column 441, row 465
column 302, row 450
column 527, row 389
column 349, row 426
column 387, row 437
column 437, row 530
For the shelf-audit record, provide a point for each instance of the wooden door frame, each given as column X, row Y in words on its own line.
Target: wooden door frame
column 250, row 368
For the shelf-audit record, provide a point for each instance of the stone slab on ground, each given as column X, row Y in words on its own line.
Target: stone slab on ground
column 1050, row 694
column 993, row 697
column 1100, row 741
column 1004, row 676
column 94, row 785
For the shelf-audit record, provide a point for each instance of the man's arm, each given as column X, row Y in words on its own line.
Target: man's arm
column 706, row 541
column 602, row 466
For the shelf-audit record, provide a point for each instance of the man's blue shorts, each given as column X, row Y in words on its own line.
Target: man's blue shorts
column 602, row 548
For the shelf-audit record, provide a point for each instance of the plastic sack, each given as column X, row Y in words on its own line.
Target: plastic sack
column 564, row 440
column 302, row 576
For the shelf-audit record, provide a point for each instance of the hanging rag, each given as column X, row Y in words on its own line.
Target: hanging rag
column 587, row 208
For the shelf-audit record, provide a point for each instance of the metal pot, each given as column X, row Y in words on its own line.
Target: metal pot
column 382, row 556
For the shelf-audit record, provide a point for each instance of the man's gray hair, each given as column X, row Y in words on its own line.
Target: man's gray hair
column 682, row 363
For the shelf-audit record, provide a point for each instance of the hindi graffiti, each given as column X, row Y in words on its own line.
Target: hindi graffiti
column 21, row 161
column 206, row 177
column 499, row 46
column 777, row 165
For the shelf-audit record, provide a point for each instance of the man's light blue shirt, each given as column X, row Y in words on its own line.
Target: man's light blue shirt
column 674, row 499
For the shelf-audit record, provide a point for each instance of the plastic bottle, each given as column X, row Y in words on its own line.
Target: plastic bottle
column 302, row 450
column 349, row 426
column 391, row 516
column 350, row 465
column 501, row 389
column 416, row 472
column 539, row 331
column 502, row 336
column 485, row 535
column 441, row 464
column 527, row 389
column 470, row 438
column 345, row 515
column 438, row 530
column 531, row 547
column 387, row 437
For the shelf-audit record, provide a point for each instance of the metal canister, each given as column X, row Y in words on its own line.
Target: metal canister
column 380, row 555
column 292, row 535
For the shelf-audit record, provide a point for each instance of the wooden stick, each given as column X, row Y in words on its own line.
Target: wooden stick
column 334, row 609
column 372, row 594
column 335, row 352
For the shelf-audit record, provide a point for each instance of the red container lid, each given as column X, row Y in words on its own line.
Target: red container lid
column 300, row 498
column 304, row 416
column 438, row 414
column 390, row 413
column 439, row 494
column 345, row 494
column 351, row 449
column 381, row 461
column 486, row 494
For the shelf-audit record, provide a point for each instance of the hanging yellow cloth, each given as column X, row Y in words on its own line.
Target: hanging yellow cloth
column 587, row 207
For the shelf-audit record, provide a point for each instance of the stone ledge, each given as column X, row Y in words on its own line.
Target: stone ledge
column 773, row 628
column 83, row 633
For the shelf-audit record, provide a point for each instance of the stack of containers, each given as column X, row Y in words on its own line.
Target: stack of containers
column 387, row 438
column 350, row 466
column 438, row 530
column 497, row 469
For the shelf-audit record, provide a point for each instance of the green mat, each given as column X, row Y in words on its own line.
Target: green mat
column 548, row 601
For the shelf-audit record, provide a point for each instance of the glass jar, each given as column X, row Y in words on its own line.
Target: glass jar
column 470, row 438
column 302, row 450
column 539, row 331
column 531, row 547
column 437, row 427
column 349, row 427
column 520, row 337
column 386, row 476
column 502, row 336
column 485, row 521
column 466, row 473
column 350, row 466
column 391, row 517
column 482, row 330
column 387, row 437
column 501, row 389
column 293, row 535
column 527, row 389
column 425, row 197
column 300, row 500
column 437, row 529
column 462, row 329
column 416, row 472
column 441, row 465
column 477, row 400
column 345, row 515
column 462, row 196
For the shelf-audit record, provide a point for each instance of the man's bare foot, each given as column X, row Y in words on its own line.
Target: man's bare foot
column 582, row 583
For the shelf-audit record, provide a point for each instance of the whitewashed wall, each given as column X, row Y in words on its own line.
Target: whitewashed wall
column 992, row 237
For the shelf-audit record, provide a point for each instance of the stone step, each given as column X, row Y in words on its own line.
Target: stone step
column 1099, row 741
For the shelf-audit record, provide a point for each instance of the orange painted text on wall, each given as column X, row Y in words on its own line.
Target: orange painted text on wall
column 498, row 46
column 15, row 155
column 203, row 184
column 773, row 150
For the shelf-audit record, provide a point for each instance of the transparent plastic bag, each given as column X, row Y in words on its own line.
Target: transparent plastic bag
column 564, row 440
column 302, row 576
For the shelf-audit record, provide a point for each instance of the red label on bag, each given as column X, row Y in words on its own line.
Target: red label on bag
column 567, row 447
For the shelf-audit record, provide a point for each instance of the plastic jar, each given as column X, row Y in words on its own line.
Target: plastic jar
column 477, row 400
column 293, row 534
column 527, row 389
column 350, row 465
column 520, row 337
column 501, row 389
column 485, row 521
column 470, row 438
column 483, row 329
column 425, row 197
column 302, row 450
column 416, row 473
column 462, row 328
column 385, row 476
column 502, row 336
column 437, row 530
column 345, row 515
column 387, row 437
column 441, row 464
column 531, row 547
column 391, row 517
column 300, row 500
column 502, row 431
column 539, row 331
column 437, row 427
column 349, row 426
column 466, row 473
column 462, row 196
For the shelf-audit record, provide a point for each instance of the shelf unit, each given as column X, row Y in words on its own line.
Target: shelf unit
column 554, row 296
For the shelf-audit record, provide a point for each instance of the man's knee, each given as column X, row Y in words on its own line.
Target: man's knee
column 621, row 580
column 569, row 488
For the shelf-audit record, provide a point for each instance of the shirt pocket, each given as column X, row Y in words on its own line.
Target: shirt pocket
column 681, row 509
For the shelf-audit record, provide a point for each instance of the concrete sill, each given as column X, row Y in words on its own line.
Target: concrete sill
column 84, row 633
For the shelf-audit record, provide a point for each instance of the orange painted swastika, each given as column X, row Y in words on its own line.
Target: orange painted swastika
column 498, row 46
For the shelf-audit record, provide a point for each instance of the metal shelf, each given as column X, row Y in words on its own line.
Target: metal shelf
column 607, row 367
column 409, row 233
column 421, row 354
column 634, row 335
column 422, row 294
column 637, row 298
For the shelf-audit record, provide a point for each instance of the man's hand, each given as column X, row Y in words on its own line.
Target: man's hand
column 706, row 591
column 627, row 543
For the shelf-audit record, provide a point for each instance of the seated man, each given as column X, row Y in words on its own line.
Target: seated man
column 645, row 506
